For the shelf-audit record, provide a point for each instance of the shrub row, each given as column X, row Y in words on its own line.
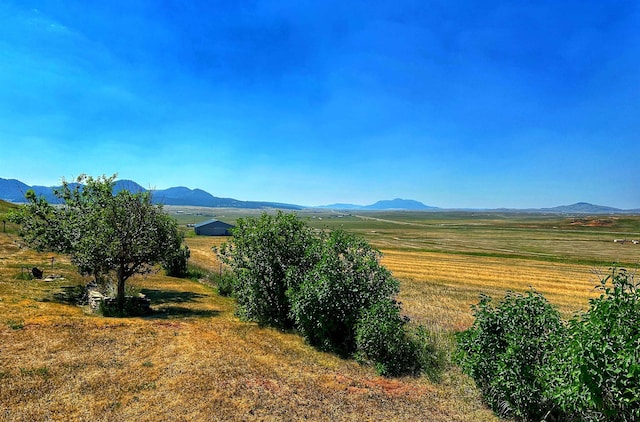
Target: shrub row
column 330, row 287
column 531, row 365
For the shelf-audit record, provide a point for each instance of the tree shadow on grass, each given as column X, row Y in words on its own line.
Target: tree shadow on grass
column 170, row 312
column 68, row 295
column 167, row 303
column 160, row 297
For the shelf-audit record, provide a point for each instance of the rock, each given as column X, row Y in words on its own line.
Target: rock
column 94, row 297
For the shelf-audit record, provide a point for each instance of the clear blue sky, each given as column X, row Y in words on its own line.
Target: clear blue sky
column 452, row 103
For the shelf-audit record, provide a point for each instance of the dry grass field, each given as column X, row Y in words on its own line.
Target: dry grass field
column 192, row 359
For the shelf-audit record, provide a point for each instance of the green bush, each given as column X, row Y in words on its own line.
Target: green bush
column 268, row 255
column 507, row 351
column 333, row 294
column 225, row 283
column 330, row 287
column 383, row 340
column 175, row 265
column 595, row 374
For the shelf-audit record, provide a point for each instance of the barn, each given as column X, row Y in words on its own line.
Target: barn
column 213, row 228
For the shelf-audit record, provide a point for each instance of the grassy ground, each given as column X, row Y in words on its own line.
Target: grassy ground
column 194, row 360
column 191, row 360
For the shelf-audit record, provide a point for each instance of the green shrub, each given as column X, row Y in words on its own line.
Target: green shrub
column 330, row 287
column 595, row 374
column 382, row 339
column 175, row 265
column 507, row 350
column 333, row 294
column 196, row 273
column 268, row 255
column 225, row 283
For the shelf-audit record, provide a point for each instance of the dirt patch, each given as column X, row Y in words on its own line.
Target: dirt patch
column 593, row 222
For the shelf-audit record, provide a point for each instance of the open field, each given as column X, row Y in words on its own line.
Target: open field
column 194, row 360
column 191, row 360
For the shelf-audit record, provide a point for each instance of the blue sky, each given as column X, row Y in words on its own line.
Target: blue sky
column 452, row 103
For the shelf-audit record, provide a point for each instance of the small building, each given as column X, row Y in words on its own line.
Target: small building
column 213, row 228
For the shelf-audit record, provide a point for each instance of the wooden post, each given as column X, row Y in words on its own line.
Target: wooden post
column 4, row 226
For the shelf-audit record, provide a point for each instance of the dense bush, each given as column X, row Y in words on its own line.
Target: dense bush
column 330, row 287
column 333, row 294
column 507, row 351
column 382, row 339
column 175, row 264
column 225, row 282
column 596, row 372
column 531, row 366
column 268, row 255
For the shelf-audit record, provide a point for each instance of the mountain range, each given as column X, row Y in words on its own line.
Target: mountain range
column 13, row 190
column 393, row 204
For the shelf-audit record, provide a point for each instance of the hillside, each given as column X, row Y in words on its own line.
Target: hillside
column 191, row 360
column 5, row 225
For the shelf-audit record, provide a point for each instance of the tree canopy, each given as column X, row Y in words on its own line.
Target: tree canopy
column 106, row 234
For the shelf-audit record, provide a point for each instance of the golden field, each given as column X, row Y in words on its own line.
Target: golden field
column 192, row 359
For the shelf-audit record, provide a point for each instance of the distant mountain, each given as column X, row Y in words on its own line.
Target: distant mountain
column 393, row 204
column 129, row 185
column 14, row 190
column 584, row 208
column 399, row 204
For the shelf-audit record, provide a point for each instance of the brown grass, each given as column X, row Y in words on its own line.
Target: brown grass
column 194, row 360
column 438, row 289
column 191, row 360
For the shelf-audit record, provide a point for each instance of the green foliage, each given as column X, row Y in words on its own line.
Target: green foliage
column 345, row 281
column 105, row 234
column 15, row 325
column 596, row 372
column 24, row 275
column 507, row 351
column 40, row 224
column 382, row 339
column 268, row 255
column 330, row 287
column 225, row 283
column 531, row 366
column 175, row 264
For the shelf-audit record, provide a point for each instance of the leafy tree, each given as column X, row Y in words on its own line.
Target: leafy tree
column 120, row 234
column 268, row 256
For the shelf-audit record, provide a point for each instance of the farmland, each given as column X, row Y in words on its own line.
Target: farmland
column 193, row 359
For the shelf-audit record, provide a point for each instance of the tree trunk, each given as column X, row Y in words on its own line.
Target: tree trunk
column 120, row 293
